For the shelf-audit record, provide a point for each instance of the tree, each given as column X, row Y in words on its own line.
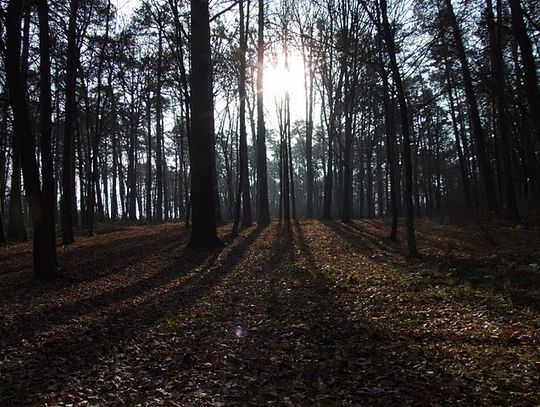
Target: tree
column 405, row 128
column 16, row 225
column 498, row 68
column 203, row 229
column 44, row 251
column 49, row 190
column 529, row 66
column 243, row 167
column 68, row 156
column 474, row 115
column 262, row 177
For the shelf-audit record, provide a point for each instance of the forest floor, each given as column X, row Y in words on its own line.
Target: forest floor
column 321, row 314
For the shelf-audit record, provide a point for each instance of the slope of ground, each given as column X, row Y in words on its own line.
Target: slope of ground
column 318, row 314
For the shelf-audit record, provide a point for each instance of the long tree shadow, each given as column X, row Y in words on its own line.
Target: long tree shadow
column 449, row 266
column 369, row 244
column 113, row 261
column 168, row 291
column 312, row 351
column 88, row 261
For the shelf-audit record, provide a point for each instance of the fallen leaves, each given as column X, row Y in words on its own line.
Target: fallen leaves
column 321, row 314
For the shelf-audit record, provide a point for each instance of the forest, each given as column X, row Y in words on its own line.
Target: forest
column 269, row 202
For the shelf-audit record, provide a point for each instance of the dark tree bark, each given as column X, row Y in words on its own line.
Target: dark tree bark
column 474, row 115
column 94, row 193
column 351, row 84
column 68, row 156
column 262, row 176
column 529, row 67
column 243, row 167
column 497, row 66
column 149, row 156
column 405, row 130
column 391, row 149
column 203, row 230
column 43, row 254
column 3, row 238
column 49, row 189
column 309, row 79
column 16, row 222
column 159, row 130
column 16, row 225
column 329, row 178
column 461, row 158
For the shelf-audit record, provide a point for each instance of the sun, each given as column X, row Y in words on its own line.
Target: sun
column 278, row 80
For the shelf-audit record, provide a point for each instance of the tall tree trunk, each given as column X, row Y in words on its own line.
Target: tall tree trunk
column 16, row 226
column 47, row 166
column 132, row 162
column 391, row 148
column 68, row 156
column 461, row 158
column 288, row 142
column 476, row 123
column 149, row 157
column 405, row 130
column 351, row 83
column 243, row 167
column 159, row 130
column 114, row 194
column 328, row 180
column 529, row 67
column 16, row 222
column 94, row 190
column 203, row 231
column 262, row 176
column 497, row 65
column 309, row 78
column 44, row 255
column 3, row 238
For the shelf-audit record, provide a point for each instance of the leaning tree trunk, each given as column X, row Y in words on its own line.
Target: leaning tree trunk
column 43, row 253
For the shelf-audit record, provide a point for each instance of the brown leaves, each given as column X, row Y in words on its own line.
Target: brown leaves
column 322, row 314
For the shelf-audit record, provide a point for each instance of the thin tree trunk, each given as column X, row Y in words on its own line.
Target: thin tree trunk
column 529, row 66
column 497, row 64
column 391, row 152
column 149, row 158
column 461, row 158
column 262, row 176
column 405, row 130
column 159, row 131
column 243, row 167
column 476, row 123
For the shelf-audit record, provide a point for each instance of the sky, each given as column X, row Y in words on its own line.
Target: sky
column 276, row 78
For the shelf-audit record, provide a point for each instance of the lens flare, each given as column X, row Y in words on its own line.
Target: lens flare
column 239, row 331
